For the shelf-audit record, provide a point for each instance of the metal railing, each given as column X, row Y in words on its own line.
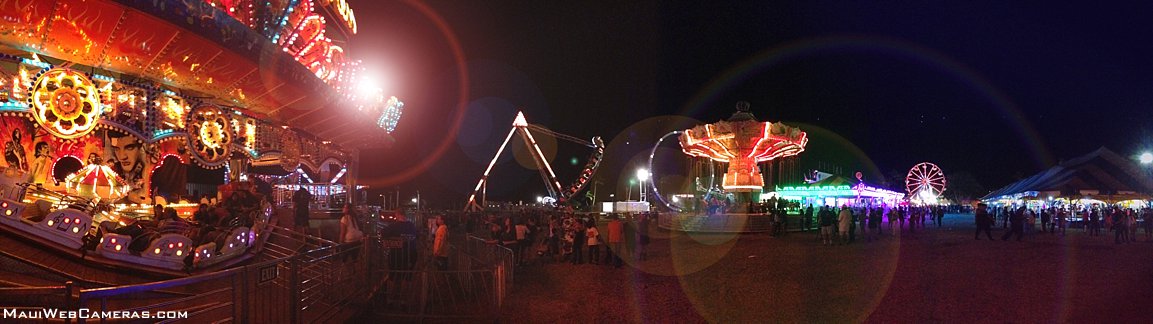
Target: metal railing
column 37, row 298
column 489, row 252
column 326, row 283
column 468, row 289
column 304, row 288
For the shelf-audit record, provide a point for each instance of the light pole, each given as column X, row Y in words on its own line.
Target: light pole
column 642, row 175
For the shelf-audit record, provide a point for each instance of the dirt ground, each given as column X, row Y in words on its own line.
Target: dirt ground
column 932, row 275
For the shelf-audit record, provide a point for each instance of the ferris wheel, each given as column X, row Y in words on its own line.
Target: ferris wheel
column 925, row 181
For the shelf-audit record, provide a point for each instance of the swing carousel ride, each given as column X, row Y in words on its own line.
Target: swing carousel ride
column 105, row 106
column 741, row 143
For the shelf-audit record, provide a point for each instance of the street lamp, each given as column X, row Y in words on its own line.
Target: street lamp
column 1146, row 158
column 642, row 176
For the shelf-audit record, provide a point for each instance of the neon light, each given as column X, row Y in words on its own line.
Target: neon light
column 305, row 175
column 338, row 175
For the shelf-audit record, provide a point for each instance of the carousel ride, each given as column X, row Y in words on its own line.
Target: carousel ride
column 739, row 144
column 105, row 106
column 561, row 195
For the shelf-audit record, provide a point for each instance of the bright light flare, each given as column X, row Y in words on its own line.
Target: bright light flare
column 1146, row 158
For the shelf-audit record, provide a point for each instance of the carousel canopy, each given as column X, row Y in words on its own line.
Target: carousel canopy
column 198, row 49
column 1101, row 173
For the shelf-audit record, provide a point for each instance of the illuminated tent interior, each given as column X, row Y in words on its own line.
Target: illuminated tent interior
column 1101, row 175
column 835, row 190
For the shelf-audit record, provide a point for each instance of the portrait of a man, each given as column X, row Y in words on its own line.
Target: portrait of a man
column 126, row 155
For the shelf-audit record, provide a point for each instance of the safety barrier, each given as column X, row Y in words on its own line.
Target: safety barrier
column 490, row 252
column 468, row 289
column 318, row 285
column 304, row 288
column 37, row 298
column 314, row 286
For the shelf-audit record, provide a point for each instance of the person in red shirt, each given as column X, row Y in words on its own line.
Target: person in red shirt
column 615, row 240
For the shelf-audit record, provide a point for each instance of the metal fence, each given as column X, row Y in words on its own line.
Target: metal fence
column 489, row 252
column 326, row 283
column 305, row 288
column 468, row 288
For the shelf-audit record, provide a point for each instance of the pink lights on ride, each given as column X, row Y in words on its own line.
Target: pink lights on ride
column 742, row 142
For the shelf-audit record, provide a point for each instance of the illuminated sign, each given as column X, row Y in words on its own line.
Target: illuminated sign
column 345, row 12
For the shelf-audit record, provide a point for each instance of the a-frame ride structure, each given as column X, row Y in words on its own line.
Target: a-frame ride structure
column 555, row 189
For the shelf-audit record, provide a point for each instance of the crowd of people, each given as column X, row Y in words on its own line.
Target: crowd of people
column 211, row 222
column 838, row 226
column 548, row 236
column 1092, row 219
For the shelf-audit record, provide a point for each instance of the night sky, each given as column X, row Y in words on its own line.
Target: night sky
column 994, row 91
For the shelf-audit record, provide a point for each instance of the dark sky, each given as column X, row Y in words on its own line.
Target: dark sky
column 994, row 90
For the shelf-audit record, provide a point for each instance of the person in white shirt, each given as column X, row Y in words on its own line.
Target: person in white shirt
column 593, row 237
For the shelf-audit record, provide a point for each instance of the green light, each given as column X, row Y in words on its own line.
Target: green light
column 573, row 161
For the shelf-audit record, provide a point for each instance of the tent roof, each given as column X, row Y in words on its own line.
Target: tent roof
column 1101, row 170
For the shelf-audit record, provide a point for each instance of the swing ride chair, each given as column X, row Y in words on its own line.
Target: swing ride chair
column 556, row 191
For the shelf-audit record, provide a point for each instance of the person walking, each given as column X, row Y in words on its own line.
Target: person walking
column 984, row 222
column 1016, row 225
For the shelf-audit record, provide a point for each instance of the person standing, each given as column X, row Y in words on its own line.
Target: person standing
column 523, row 243
column 826, row 222
column 855, row 216
column 1131, row 224
column 1147, row 216
column 440, row 244
column 1016, row 225
column 844, row 220
column 507, row 238
column 578, row 241
column 642, row 239
column 984, row 222
column 300, row 200
column 1045, row 220
column 808, row 221
column 592, row 236
column 616, row 238
column 1062, row 221
column 874, row 224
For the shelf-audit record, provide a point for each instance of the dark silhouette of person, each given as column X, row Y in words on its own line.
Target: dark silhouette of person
column 984, row 222
column 1016, row 225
